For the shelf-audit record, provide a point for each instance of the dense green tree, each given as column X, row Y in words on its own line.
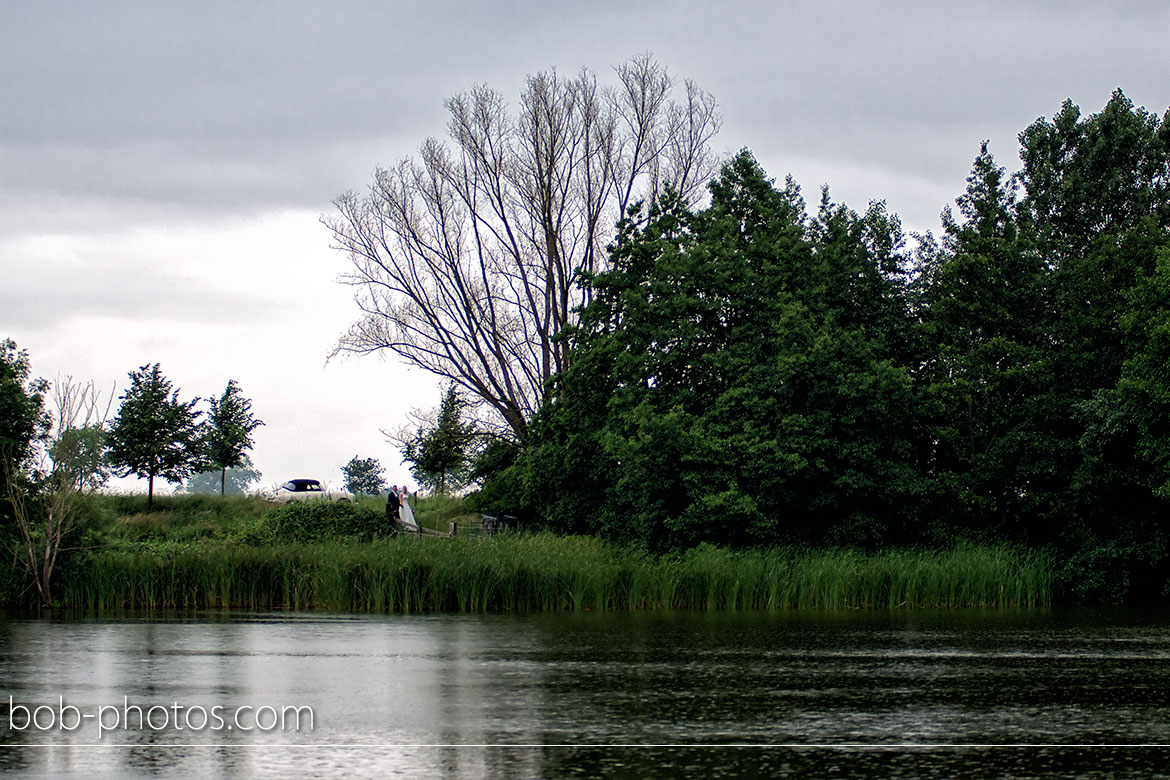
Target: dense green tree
column 364, row 475
column 44, row 492
column 23, row 423
column 737, row 378
column 23, row 419
column 985, row 324
column 1097, row 207
column 440, row 453
column 228, row 434
column 1143, row 390
column 154, row 434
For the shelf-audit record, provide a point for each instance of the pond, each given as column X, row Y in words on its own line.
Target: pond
column 624, row 695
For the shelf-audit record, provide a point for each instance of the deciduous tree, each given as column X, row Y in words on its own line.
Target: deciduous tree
column 228, row 434
column 465, row 260
column 234, row 481
column 155, row 434
column 986, row 370
column 23, row 418
column 736, row 378
column 364, row 475
column 63, row 469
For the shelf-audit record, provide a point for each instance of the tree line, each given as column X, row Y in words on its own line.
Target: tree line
column 57, row 448
column 750, row 371
column 753, row 373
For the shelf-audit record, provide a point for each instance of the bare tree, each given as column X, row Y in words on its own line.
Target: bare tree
column 69, row 466
column 465, row 259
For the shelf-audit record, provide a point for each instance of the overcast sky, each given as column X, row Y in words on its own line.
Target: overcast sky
column 164, row 166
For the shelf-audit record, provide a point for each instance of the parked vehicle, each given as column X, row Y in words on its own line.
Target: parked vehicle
column 308, row 490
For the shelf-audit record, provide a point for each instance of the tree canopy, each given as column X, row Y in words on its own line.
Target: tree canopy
column 740, row 376
column 154, row 433
column 752, row 373
column 228, row 434
column 464, row 259
column 364, row 475
column 23, row 418
column 440, row 451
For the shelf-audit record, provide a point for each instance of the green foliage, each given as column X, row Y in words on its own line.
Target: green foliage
column 318, row 521
column 440, row 454
column 118, row 520
column 81, row 452
column 501, row 488
column 986, row 326
column 751, row 375
column 154, row 434
column 23, row 419
column 739, row 378
column 1097, row 210
column 364, row 475
column 228, row 434
column 437, row 512
column 523, row 573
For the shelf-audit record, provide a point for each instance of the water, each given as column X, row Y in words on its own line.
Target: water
column 679, row 695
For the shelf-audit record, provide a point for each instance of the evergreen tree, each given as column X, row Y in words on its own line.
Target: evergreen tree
column 440, row 454
column 986, row 326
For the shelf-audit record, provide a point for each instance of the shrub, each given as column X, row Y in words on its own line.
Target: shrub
column 319, row 521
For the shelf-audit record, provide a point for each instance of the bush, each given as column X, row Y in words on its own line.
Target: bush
column 319, row 521
column 1115, row 572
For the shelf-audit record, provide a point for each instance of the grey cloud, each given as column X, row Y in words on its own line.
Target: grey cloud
column 231, row 107
column 119, row 290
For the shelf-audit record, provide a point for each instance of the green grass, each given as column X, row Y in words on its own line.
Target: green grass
column 204, row 551
column 543, row 572
column 124, row 519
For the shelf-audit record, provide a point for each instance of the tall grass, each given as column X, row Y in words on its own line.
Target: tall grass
column 542, row 572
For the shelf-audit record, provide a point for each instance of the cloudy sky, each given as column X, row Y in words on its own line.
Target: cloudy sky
column 164, row 166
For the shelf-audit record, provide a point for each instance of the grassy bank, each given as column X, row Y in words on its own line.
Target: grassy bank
column 540, row 572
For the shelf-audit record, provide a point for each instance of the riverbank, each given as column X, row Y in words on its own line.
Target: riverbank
column 543, row 572
column 207, row 552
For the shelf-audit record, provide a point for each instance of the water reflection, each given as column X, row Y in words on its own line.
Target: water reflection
column 805, row 694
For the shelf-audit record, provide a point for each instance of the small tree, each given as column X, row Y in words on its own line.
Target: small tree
column 63, row 469
column 440, row 453
column 364, row 475
column 233, row 481
column 155, row 434
column 228, row 435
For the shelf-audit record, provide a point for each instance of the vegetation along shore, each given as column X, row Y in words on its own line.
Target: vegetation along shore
column 212, row 552
column 729, row 397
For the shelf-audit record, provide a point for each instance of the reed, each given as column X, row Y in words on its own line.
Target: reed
column 542, row 572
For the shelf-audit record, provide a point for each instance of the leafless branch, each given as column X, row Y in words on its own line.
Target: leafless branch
column 464, row 260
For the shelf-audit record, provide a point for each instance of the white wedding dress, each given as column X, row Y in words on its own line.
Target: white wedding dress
column 406, row 516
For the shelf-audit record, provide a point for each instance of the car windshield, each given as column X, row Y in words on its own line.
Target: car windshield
column 302, row 485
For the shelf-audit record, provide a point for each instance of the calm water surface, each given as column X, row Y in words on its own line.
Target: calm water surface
column 908, row 694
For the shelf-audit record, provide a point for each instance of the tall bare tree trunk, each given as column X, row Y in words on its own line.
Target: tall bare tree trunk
column 465, row 260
